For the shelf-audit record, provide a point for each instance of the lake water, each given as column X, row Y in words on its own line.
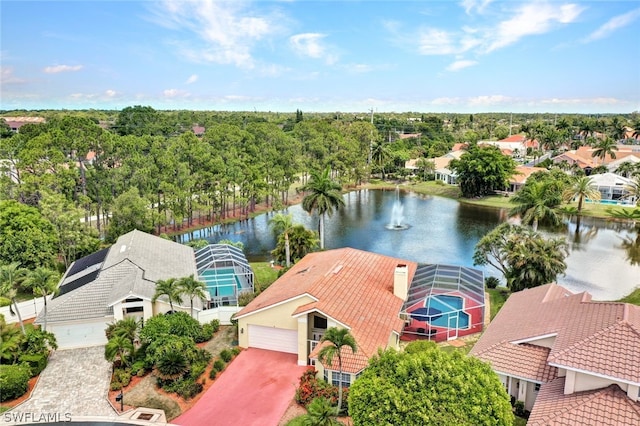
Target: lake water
column 442, row 230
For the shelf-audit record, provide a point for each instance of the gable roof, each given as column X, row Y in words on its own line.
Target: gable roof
column 585, row 331
column 520, row 360
column 353, row 287
column 522, row 173
column 608, row 406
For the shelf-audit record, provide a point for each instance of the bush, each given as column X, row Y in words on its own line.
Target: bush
column 36, row 362
column 215, row 324
column 114, row 386
column 197, row 370
column 218, row 365
column 518, row 408
column 137, row 367
column 188, row 388
column 122, row 376
column 207, row 333
column 226, row 355
column 491, row 282
column 14, row 381
column 235, row 351
column 310, row 388
column 213, row 373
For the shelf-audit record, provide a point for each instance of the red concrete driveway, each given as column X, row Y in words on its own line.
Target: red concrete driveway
column 255, row 389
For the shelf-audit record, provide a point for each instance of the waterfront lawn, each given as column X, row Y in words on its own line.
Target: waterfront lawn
column 265, row 275
column 633, row 297
column 497, row 298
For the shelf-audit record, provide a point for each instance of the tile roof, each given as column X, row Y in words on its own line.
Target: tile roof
column 608, row 406
column 586, row 152
column 522, row 173
column 520, row 360
column 585, row 331
column 353, row 287
column 572, row 157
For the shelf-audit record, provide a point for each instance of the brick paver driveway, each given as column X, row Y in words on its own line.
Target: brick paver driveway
column 255, row 389
column 75, row 383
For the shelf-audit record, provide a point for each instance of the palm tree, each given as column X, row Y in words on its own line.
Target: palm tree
column 536, row 202
column 320, row 413
column 604, row 147
column 324, row 197
column 581, row 188
column 380, row 154
column 301, row 241
column 10, row 276
column 171, row 365
column 626, row 169
column 192, row 288
column 119, row 348
column 634, row 189
column 127, row 327
column 337, row 338
column 282, row 224
column 167, row 288
column 43, row 282
column 10, row 341
column 535, row 261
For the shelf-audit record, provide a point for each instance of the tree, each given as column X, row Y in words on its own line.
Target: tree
column 126, row 327
column 282, row 225
column 324, row 197
column 11, row 276
column 581, row 188
column 634, row 189
column 192, row 288
column 482, row 170
column 130, row 211
column 301, row 241
column 427, row 167
column 320, row 413
column 604, row 147
column 170, row 288
column 428, row 387
column 525, row 258
column 10, row 341
column 119, row 348
column 43, row 282
column 171, row 365
column 337, row 339
column 536, row 202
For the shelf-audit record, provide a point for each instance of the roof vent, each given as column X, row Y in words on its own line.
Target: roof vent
column 123, row 248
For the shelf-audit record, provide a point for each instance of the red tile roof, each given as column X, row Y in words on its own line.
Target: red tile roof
column 524, row 360
column 522, row 173
column 353, row 287
column 608, row 406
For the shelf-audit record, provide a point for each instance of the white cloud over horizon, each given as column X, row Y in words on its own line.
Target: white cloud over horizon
column 612, row 25
column 55, row 69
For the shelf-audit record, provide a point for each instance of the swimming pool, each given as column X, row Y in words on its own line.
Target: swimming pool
column 221, row 282
column 443, row 310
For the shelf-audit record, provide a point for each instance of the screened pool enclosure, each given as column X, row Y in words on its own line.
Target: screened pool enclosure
column 444, row 302
column 225, row 271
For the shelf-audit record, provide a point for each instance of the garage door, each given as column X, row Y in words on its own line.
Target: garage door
column 274, row 339
column 79, row 335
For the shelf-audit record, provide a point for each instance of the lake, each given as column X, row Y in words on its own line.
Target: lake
column 442, row 230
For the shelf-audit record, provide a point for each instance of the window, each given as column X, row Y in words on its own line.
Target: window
column 319, row 322
column 346, row 379
column 537, row 388
column 134, row 309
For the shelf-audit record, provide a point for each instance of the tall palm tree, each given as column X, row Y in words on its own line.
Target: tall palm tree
column 535, row 261
column 320, row 413
column 192, row 288
column 380, row 154
column 167, row 288
column 324, row 197
column 119, row 348
column 581, row 188
column 337, row 338
column 627, row 169
column 282, row 225
column 301, row 241
column 604, row 147
column 536, row 202
column 11, row 276
column 43, row 282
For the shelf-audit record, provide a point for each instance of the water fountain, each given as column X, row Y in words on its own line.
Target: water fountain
column 397, row 214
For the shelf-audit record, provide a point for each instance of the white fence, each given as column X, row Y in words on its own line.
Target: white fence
column 222, row 314
column 28, row 309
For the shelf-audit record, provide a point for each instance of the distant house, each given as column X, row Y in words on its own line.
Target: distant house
column 571, row 158
column 512, row 148
column 441, row 166
column 116, row 283
column 16, row 122
column 613, row 187
column 522, row 173
column 377, row 298
column 615, row 164
column 198, row 131
column 571, row 360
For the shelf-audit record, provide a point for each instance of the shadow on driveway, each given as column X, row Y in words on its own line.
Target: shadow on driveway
column 255, row 389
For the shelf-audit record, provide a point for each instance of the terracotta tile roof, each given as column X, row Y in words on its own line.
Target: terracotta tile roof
column 572, row 157
column 514, row 138
column 353, row 287
column 608, row 406
column 351, row 363
column 460, row 146
column 586, row 152
column 522, row 173
column 578, row 324
column 521, row 360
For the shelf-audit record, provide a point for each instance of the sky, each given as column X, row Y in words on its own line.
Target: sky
column 464, row 56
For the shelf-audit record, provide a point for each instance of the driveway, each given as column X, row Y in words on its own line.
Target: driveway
column 75, row 383
column 255, row 389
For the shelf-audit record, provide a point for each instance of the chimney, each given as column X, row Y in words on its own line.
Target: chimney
column 401, row 281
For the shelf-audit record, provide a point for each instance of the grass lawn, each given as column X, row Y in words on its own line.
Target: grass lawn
column 265, row 275
column 633, row 298
column 498, row 296
column 425, row 188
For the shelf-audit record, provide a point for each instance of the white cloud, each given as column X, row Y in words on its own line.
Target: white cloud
column 478, row 5
column 613, row 24
column 175, row 93
column 489, row 100
column 532, row 18
column 62, row 68
column 311, row 45
column 461, row 64
column 192, row 79
column 110, row 93
column 436, row 42
column 7, row 76
column 227, row 31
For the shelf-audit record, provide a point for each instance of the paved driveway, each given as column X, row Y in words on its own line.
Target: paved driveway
column 75, row 383
column 255, row 389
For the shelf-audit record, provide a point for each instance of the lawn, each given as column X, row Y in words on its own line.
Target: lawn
column 265, row 275
column 633, row 298
column 497, row 297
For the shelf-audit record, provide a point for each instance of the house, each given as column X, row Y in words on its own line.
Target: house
column 522, row 173
column 441, row 167
column 571, row 158
column 613, row 187
column 570, row 359
column 633, row 159
column 521, row 139
column 16, row 122
column 511, row 148
column 374, row 296
column 115, row 283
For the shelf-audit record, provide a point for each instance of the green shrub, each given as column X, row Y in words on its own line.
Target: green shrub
column 122, row 376
column 519, row 408
column 491, row 282
column 188, row 388
column 226, row 355
column 137, row 366
column 197, row 370
column 213, row 373
column 420, row 346
column 114, row 386
column 218, row 365
column 206, row 334
column 141, row 372
column 36, row 362
column 235, row 351
column 14, row 381
column 215, row 324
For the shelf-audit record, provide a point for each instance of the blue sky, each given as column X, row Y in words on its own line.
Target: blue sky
column 340, row 55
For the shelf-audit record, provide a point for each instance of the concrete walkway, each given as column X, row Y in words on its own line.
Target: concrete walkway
column 74, row 384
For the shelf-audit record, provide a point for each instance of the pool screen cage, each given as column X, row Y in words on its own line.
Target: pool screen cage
column 444, row 302
column 225, row 271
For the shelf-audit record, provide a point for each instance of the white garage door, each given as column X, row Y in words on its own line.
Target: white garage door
column 274, row 339
column 79, row 335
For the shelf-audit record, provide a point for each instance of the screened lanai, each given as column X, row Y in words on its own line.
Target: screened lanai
column 444, row 302
column 225, row 271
